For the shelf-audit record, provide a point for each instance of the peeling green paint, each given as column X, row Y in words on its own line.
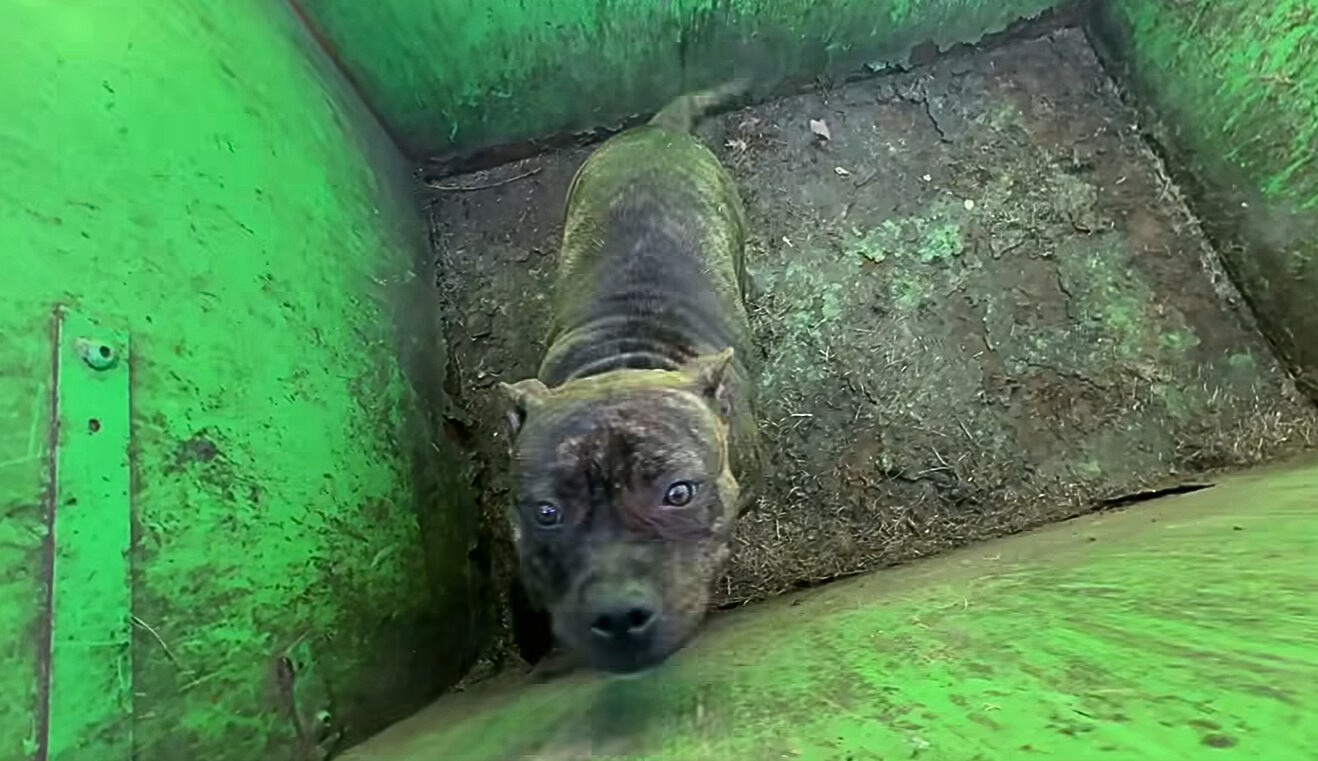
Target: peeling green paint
column 1243, row 361
column 941, row 242
column 818, row 301
column 456, row 73
column 908, row 246
column 190, row 175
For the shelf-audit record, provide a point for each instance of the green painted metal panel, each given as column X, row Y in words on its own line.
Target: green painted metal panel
column 445, row 74
column 1235, row 85
column 196, row 175
column 89, row 692
column 1177, row 629
column 25, row 421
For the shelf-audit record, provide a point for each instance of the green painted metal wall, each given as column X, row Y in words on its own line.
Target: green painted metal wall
column 1177, row 630
column 445, row 74
column 1236, row 84
column 207, row 197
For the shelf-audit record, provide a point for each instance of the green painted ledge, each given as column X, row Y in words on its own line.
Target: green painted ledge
column 446, row 74
column 1234, row 84
column 196, row 178
column 1176, row 629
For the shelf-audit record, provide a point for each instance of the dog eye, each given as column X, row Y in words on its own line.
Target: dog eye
column 680, row 494
column 548, row 515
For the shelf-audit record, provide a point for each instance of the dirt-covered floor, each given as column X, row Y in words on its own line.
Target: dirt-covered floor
column 981, row 306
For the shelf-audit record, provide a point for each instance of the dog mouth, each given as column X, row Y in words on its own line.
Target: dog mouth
column 621, row 656
column 632, row 656
column 627, row 663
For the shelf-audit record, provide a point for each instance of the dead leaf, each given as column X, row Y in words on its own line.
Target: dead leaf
column 820, row 128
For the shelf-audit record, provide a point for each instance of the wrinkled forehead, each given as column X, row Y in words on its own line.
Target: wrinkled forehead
column 638, row 436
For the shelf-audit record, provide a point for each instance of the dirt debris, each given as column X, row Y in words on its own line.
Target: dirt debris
column 997, row 314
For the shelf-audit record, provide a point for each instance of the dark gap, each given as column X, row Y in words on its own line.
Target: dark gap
column 457, row 432
column 533, row 634
column 1135, row 498
column 479, row 556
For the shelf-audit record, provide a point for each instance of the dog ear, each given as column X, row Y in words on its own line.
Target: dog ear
column 522, row 396
column 711, row 375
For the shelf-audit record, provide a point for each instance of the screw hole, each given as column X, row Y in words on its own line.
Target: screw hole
column 93, row 425
column 97, row 354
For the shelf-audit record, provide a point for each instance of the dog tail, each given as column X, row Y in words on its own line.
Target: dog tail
column 685, row 111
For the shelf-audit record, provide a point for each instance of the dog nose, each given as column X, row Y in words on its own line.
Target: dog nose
column 621, row 620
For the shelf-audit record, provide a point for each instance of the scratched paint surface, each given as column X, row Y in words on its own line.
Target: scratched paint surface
column 256, row 256
column 456, row 73
column 1236, row 84
column 185, row 172
column 1176, row 630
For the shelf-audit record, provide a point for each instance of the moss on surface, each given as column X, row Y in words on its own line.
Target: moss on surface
column 1235, row 87
column 978, row 307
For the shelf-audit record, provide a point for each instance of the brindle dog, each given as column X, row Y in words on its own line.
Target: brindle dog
column 636, row 448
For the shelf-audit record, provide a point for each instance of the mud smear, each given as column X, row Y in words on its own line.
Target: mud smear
column 980, row 301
